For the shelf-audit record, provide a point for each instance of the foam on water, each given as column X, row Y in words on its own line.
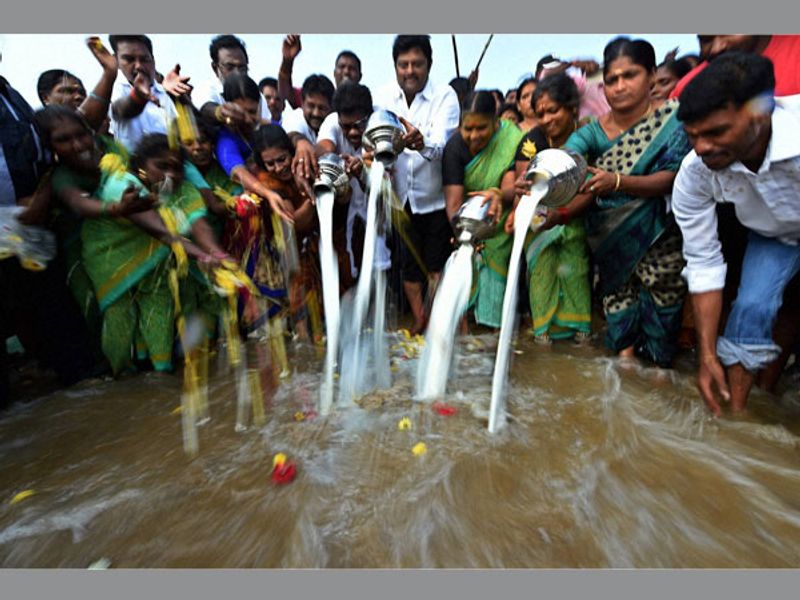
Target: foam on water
column 522, row 220
column 448, row 307
column 330, row 295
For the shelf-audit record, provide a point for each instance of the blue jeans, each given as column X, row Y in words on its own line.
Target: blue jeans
column 768, row 266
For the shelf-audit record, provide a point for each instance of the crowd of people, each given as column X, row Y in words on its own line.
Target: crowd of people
column 685, row 232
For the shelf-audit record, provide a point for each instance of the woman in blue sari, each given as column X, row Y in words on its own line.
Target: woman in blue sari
column 634, row 151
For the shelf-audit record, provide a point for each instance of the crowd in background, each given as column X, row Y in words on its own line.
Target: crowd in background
column 684, row 234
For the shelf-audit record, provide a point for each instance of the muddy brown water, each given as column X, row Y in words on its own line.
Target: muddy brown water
column 600, row 465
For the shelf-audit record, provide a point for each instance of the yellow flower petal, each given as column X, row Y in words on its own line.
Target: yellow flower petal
column 22, row 496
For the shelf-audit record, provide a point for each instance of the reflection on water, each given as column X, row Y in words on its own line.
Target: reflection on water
column 600, row 465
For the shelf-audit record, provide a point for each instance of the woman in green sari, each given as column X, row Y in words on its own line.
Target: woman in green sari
column 634, row 152
column 475, row 161
column 128, row 267
column 558, row 260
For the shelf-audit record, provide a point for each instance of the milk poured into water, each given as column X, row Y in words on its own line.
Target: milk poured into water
column 330, row 295
column 449, row 305
column 364, row 363
column 522, row 220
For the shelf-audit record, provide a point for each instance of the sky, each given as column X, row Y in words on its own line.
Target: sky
column 509, row 58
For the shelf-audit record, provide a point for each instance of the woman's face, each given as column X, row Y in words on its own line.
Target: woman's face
column 74, row 145
column 665, row 82
column 477, row 130
column 556, row 120
column 524, row 101
column 68, row 92
column 627, row 85
column 510, row 115
column 277, row 162
column 249, row 106
column 199, row 151
column 158, row 168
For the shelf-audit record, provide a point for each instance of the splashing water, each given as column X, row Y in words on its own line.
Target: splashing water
column 364, row 363
column 448, row 307
column 522, row 220
column 330, row 295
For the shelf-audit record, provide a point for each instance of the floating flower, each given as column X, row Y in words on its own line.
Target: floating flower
column 444, row 409
column 22, row 496
column 419, row 449
column 404, row 424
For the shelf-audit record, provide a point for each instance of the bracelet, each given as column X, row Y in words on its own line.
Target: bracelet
column 619, row 180
column 218, row 114
column 134, row 95
column 563, row 215
column 497, row 190
column 97, row 98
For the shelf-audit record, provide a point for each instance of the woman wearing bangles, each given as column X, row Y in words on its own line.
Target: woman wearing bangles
column 635, row 151
column 558, row 260
column 475, row 162
column 234, row 142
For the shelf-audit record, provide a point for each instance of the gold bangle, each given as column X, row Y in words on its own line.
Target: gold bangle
column 619, row 180
column 218, row 114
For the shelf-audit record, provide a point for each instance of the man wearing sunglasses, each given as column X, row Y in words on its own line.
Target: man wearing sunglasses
column 341, row 133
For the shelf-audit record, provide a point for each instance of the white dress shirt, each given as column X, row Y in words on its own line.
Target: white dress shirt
column 295, row 122
column 767, row 202
column 331, row 131
column 211, row 91
column 435, row 112
column 153, row 119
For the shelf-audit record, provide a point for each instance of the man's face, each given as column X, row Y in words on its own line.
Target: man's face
column 230, row 61
column 346, row 68
column 353, row 125
column 274, row 102
column 315, row 108
column 726, row 43
column 726, row 135
column 135, row 58
column 412, row 71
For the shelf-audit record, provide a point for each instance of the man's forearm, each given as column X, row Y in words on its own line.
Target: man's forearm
column 285, row 87
column 127, row 108
column 707, row 308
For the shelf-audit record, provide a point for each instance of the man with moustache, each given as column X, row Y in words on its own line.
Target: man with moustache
column 430, row 114
column 317, row 95
column 139, row 103
column 746, row 153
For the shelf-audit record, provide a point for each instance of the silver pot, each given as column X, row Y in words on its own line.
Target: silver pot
column 384, row 136
column 564, row 171
column 332, row 176
column 472, row 222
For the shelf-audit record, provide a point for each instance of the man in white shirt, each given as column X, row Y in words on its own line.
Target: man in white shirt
column 317, row 98
column 430, row 115
column 746, row 152
column 275, row 104
column 139, row 104
column 228, row 56
column 341, row 133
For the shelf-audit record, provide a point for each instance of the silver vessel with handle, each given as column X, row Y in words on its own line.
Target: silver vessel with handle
column 332, row 175
column 384, row 136
column 564, row 171
column 472, row 222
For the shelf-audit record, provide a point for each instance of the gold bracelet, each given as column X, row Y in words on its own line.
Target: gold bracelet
column 218, row 114
column 619, row 180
